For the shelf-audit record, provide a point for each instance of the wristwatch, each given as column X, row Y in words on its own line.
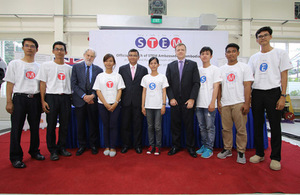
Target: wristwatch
column 283, row 95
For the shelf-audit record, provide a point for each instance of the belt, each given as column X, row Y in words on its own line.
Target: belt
column 26, row 95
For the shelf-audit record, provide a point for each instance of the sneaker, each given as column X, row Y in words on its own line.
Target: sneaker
column 207, row 153
column 224, row 154
column 275, row 165
column 201, row 150
column 106, row 152
column 112, row 153
column 150, row 150
column 157, row 151
column 256, row 159
column 241, row 158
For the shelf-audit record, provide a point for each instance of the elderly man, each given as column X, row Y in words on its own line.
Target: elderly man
column 85, row 100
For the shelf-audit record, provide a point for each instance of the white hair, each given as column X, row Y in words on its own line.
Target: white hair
column 90, row 49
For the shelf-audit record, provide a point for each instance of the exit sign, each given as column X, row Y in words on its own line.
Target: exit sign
column 156, row 19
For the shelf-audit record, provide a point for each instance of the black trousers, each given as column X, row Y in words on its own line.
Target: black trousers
column 266, row 100
column 60, row 106
column 30, row 106
column 132, row 118
column 180, row 113
column 88, row 113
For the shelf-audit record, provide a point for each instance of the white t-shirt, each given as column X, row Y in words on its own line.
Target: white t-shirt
column 109, row 84
column 208, row 76
column 56, row 76
column 267, row 68
column 23, row 76
column 154, row 92
column 233, row 77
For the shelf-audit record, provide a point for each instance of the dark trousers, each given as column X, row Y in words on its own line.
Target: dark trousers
column 180, row 113
column 32, row 107
column 110, row 125
column 265, row 100
column 60, row 106
column 88, row 112
column 132, row 117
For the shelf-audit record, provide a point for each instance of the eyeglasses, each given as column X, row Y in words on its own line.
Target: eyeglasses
column 59, row 49
column 263, row 36
column 30, row 46
column 133, row 55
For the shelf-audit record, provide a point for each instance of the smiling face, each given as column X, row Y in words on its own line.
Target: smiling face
column 153, row 65
column 109, row 63
column 133, row 57
column 89, row 57
column 180, row 52
column 205, row 57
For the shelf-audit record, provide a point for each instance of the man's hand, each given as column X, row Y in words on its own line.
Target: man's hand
column 190, row 103
column 173, row 102
column 280, row 103
column 211, row 107
column 9, row 107
column 220, row 107
column 88, row 98
column 245, row 109
column 45, row 107
column 163, row 110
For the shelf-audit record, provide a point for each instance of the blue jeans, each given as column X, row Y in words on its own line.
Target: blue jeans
column 206, row 121
column 154, row 125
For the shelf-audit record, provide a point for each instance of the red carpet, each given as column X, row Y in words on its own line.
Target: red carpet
column 132, row 173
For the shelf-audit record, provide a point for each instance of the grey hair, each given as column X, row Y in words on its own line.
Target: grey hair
column 90, row 49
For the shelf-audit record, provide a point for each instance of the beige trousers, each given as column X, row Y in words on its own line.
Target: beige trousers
column 232, row 114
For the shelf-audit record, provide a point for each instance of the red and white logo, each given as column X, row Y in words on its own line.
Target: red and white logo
column 109, row 84
column 61, row 76
column 175, row 41
column 231, row 77
column 30, row 74
column 152, row 42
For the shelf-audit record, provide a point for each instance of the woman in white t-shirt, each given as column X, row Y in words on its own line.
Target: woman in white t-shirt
column 108, row 86
column 154, row 103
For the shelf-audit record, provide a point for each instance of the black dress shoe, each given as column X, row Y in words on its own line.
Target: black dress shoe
column 173, row 151
column 38, row 156
column 64, row 152
column 192, row 152
column 18, row 164
column 124, row 150
column 54, row 156
column 139, row 150
column 80, row 151
column 94, row 150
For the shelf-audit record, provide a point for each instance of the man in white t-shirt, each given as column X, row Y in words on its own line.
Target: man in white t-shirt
column 55, row 86
column 23, row 98
column 270, row 67
column 234, row 102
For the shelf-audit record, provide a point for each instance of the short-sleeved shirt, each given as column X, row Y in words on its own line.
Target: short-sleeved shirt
column 208, row 76
column 109, row 84
column 57, row 77
column 23, row 76
column 233, row 78
column 154, row 92
column 267, row 68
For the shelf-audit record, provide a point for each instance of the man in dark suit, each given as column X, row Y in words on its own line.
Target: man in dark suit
column 131, row 102
column 184, row 80
column 85, row 100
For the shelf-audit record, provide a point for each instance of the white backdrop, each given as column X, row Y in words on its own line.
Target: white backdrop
column 157, row 43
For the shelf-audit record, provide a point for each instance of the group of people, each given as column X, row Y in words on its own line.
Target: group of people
column 232, row 89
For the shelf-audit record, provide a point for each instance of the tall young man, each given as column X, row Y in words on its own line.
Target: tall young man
column 270, row 67
column 23, row 98
column 55, row 86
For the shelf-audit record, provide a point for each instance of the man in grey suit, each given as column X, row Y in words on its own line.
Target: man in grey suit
column 184, row 80
column 85, row 100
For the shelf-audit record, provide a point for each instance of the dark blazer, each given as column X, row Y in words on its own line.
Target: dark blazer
column 133, row 91
column 78, row 81
column 190, row 82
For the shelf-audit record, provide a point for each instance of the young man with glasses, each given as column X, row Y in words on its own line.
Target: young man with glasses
column 270, row 67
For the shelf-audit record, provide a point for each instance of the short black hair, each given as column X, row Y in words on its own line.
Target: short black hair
column 232, row 45
column 265, row 28
column 107, row 56
column 154, row 58
column 205, row 48
column 60, row 43
column 134, row 50
column 32, row 40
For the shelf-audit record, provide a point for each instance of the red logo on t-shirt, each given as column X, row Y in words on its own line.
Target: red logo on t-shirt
column 231, row 77
column 30, row 74
column 109, row 84
column 61, row 76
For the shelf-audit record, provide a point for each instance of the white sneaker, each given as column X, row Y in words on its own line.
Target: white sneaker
column 224, row 154
column 106, row 152
column 241, row 158
column 256, row 159
column 112, row 153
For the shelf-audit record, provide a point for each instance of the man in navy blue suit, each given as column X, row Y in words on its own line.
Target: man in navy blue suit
column 131, row 102
column 85, row 100
column 184, row 80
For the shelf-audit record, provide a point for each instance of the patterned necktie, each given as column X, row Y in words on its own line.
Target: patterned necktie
column 132, row 72
column 180, row 69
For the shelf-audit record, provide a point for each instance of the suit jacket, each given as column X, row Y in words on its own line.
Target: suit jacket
column 190, row 81
column 78, row 82
column 133, row 91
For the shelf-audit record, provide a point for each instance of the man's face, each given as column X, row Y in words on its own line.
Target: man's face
column 263, row 38
column 29, row 48
column 59, row 51
column 205, row 56
column 180, row 52
column 231, row 54
column 89, row 57
column 133, row 57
